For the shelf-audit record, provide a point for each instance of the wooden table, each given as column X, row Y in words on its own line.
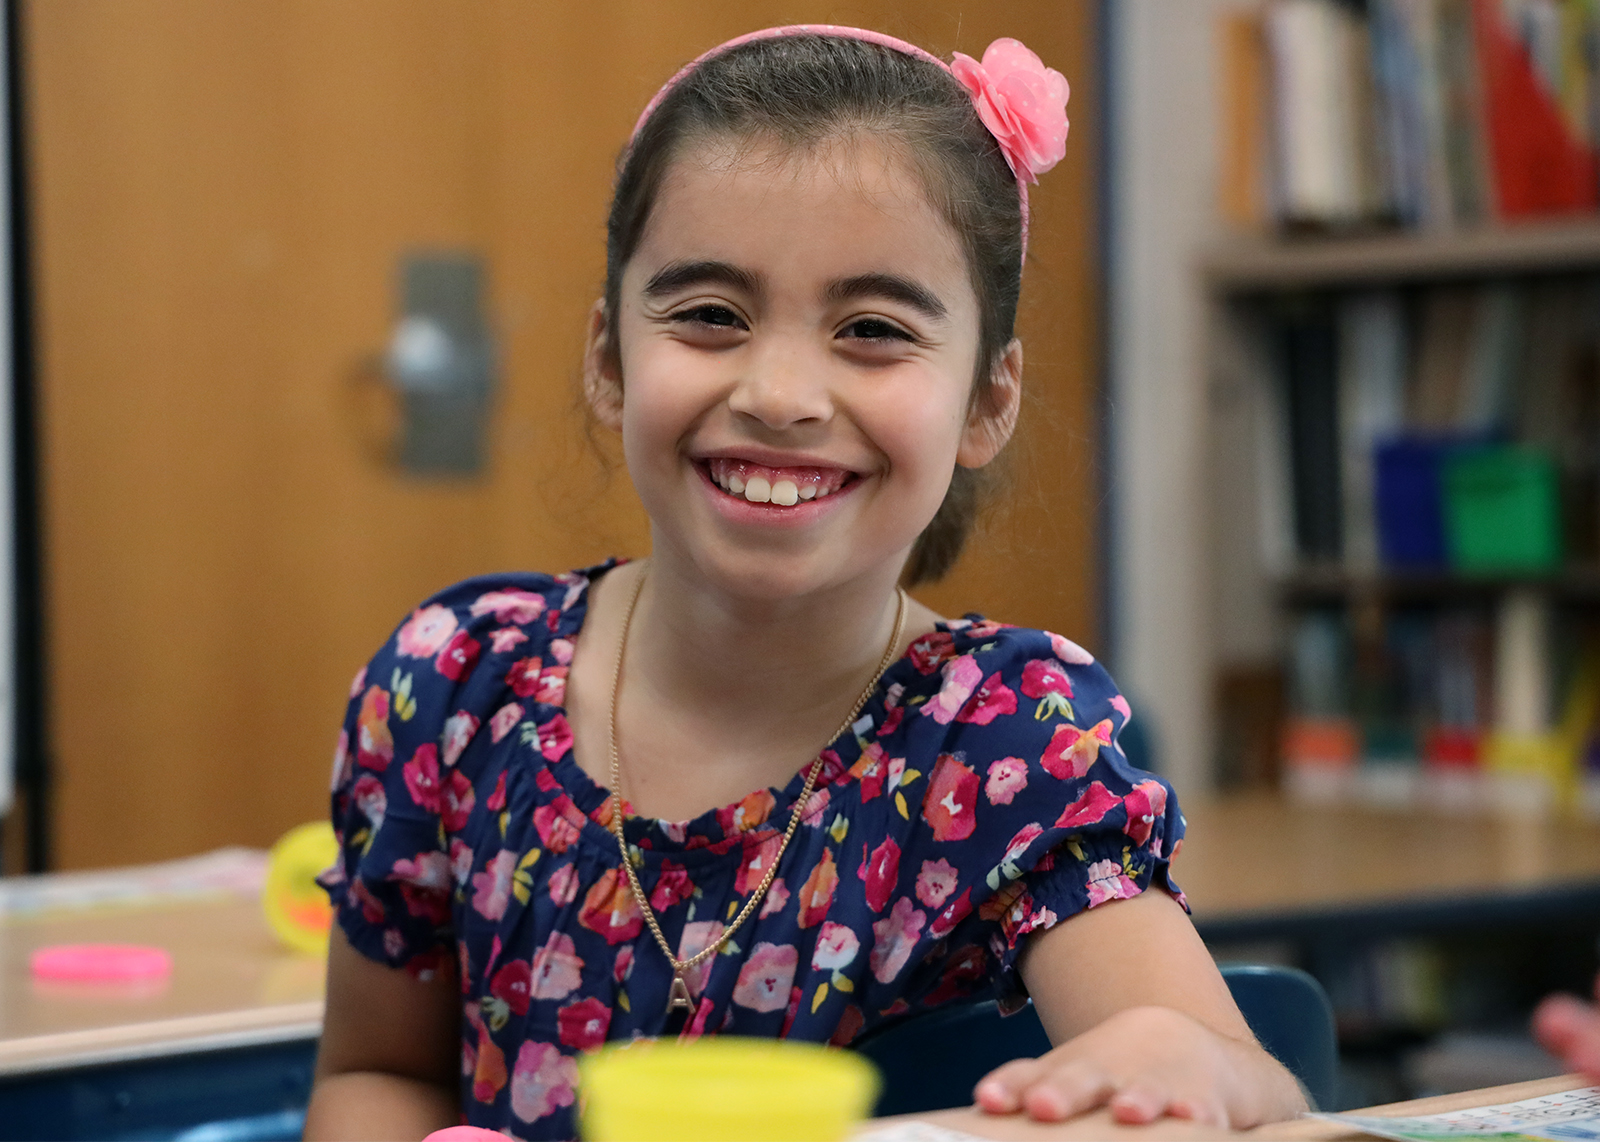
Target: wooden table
column 1248, row 863
column 229, row 1038
column 232, row 985
column 1251, row 867
column 1258, row 867
column 1015, row 1128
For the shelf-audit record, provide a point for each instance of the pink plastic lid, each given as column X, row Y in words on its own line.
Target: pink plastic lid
column 101, row 963
column 465, row 1134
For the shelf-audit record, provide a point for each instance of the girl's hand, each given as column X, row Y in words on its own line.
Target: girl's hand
column 1143, row 1063
column 1570, row 1029
column 1143, row 1024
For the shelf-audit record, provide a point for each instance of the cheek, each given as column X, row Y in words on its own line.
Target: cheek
column 922, row 424
column 654, row 403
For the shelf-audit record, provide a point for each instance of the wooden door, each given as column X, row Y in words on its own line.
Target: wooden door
column 221, row 195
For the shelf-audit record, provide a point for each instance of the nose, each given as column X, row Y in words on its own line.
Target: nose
column 782, row 387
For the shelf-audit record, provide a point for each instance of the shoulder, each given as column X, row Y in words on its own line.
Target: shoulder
column 976, row 673
column 482, row 603
column 461, row 649
column 503, row 616
column 1017, row 729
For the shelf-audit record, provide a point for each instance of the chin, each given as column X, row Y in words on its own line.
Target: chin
column 776, row 576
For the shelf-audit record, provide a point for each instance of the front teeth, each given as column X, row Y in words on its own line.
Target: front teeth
column 784, row 493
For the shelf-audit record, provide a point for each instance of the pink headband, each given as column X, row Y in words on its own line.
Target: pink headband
column 1021, row 102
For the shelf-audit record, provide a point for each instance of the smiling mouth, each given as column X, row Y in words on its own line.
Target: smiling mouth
column 780, row 487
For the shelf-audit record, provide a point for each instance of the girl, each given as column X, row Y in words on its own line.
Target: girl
column 544, row 786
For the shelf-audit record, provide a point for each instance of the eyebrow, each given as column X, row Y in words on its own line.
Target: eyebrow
column 889, row 286
column 680, row 275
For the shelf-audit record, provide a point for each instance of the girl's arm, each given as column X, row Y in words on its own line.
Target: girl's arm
column 390, row 1057
column 1143, row 1023
column 1570, row 1030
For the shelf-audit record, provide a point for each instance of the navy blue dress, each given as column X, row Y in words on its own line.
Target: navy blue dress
column 980, row 796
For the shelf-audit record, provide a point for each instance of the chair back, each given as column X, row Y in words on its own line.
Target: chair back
column 932, row 1061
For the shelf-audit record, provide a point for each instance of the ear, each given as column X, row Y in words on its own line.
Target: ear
column 602, row 377
column 994, row 418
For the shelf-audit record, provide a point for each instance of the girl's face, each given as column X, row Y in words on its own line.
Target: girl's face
column 798, row 338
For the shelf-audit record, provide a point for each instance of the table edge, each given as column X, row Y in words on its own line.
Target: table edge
column 67, row 1050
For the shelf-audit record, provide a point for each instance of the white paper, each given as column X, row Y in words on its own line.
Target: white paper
column 913, row 1130
column 1571, row 1116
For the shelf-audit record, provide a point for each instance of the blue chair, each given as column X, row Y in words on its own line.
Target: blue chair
column 932, row 1061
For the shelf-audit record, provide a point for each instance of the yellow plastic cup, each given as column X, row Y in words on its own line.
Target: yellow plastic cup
column 297, row 909
column 723, row 1090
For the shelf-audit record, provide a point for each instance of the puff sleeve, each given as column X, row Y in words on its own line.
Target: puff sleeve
column 405, row 786
column 1031, row 813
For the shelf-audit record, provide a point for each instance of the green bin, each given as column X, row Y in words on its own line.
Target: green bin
column 1501, row 510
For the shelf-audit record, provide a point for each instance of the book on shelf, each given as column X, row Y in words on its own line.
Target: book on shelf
column 1308, row 356
column 1453, row 431
column 1242, row 193
column 1455, row 707
column 1372, row 374
column 1445, row 429
column 1426, row 113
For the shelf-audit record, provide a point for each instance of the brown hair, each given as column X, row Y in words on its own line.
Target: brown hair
column 805, row 89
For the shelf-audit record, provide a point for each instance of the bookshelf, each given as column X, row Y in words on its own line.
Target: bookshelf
column 1421, row 988
column 1333, row 584
column 1268, row 566
column 1261, row 264
column 1400, row 352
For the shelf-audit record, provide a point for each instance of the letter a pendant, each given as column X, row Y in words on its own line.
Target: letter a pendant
column 679, row 997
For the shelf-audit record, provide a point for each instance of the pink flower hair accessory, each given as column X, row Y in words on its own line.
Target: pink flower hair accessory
column 1021, row 102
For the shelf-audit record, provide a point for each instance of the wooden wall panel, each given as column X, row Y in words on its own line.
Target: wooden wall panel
column 222, row 193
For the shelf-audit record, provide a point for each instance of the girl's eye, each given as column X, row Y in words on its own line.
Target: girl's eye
column 875, row 329
column 718, row 316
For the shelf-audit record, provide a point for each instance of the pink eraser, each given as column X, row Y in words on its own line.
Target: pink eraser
column 465, row 1134
column 101, row 963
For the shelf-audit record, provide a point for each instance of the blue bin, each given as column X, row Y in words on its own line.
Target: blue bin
column 1410, row 501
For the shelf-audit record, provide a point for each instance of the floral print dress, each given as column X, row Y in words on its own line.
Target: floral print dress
column 980, row 796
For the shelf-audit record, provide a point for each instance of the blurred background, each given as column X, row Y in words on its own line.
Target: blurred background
column 1311, row 455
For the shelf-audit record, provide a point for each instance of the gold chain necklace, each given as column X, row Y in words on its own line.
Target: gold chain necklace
column 679, row 997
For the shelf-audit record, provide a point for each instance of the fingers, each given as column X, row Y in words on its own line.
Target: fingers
column 1570, row 1029
column 1209, row 1112
column 1075, row 1088
column 1000, row 1091
column 1142, row 1102
column 1049, row 1091
column 1557, row 1021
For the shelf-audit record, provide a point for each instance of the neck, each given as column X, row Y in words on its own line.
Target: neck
column 760, row 660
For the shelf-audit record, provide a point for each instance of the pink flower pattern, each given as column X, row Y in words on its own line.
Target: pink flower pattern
column 893, row 939
column 936, row 881
column 458, row 731
column 1007, row 778
column 837, row 946
column 504, row 719
column 543, row 1080
column 1107, row 881
column 984, row 800
column 426, row 632
column 766, row 977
